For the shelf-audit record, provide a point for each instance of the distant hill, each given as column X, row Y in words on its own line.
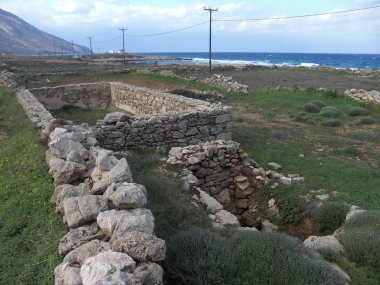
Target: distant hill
column 19, row 37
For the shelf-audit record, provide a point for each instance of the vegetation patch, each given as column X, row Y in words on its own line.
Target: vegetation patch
column 365, row 121
column 330, row 112
column 330, row 216
column 349, row 150
column 331, row 123
column 311, row 108
column 357, row 111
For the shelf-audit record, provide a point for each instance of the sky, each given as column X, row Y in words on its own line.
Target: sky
column 353, row 32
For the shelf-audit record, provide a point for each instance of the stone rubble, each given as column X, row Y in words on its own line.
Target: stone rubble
column 362, row 95
column 227, row 83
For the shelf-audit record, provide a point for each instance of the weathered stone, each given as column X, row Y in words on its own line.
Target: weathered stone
column 83, row 209
column 212, row 206
column 127, row 195
column 79, row 255
column 241, row 203
column 105, row 162
column 140, row 246
column 76, row 237
column 112, row 118
column 107, row 220
column 324, row 242
column 224, row 197
column 67, row 275
column 149, row 273
column 225, row 218
column 266, row 226
column 65, row 172
column 97, row 174
column 66, row 191
column 108, row 268
column 143, row 223
column 74, row 156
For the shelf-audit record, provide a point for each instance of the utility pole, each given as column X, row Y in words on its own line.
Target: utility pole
column 72, row 46
column 210, row 10
column 122, row 29
column 55, row 53
column 91, row 47
column 62, row 49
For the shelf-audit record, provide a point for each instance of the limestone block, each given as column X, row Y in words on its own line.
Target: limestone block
column 104, row 161
column 149, row 273
column 79, row 255
column 67, row 275
column 127, row 195
column 65, row 172
column 266, row 226
column 143, row 223
column 74, row 156
column 66, row 191
column 212, row 205
column 225, row 218
column 323, row 242
column 112, row 118
column 140, row 246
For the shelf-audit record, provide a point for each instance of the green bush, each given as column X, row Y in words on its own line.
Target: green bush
column 311, row 90
column 311, row 108
column 330, row 93
column 349, row 150
column 357, row 111
column 199, row 257
column 365, row 121
column 319, row 103
column 330, row 215
column 332, row 123
column 361, row 240
column 330, row 112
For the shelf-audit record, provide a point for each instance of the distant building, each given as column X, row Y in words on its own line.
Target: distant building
column 120, row 51
column 111, row 51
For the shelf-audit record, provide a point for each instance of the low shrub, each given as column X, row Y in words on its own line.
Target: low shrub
column 332, row 123
column 330, row 216
column 330, row 93
column 311, row 90
column 319, row 103
column 357, row 111
column 365, row 121
column 311, row 108
column 330, row 112
column 349, row 150
column 361, row 240
column 199, row 257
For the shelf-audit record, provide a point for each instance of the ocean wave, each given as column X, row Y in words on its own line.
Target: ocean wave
column 309, row 64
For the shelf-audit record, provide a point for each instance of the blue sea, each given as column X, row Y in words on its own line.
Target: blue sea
column 353, row 61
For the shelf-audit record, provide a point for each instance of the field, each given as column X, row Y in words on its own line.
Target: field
column 342, row 157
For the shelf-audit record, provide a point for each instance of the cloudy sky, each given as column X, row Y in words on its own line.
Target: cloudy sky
column 354, row 32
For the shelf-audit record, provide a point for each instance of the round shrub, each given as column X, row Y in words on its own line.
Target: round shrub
column 349, row 150
column 330, row 215
column 199, row 257
column 330, row 112
column 357, row 111
column 365, row 121
column 309, row 120
column 319, row 103
column 332, row 123
column 361, row 239
column 311, row 108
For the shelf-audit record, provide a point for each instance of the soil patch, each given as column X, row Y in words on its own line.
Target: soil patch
column 302, row 229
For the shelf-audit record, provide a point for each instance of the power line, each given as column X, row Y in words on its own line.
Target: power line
column 167, row 32
column 107, row 41
column 301, row 16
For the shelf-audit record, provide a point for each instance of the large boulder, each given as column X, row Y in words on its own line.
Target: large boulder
column 65, row 172
column 149, row 273
column 140, row 246
column 109, row 268
column 66, row 191
column 120, row 173
column 79, row 236
column 67, row 275
column 324, row 242
column 126, row 195
column 79, row 255
column 83, row 209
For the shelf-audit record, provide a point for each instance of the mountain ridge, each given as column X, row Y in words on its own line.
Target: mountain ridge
column 19, row 37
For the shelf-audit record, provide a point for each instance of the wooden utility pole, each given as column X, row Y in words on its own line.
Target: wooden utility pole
column 91, row 47
column 122, row 29
column 210, row 10
column 62, row 49
column 72, row 47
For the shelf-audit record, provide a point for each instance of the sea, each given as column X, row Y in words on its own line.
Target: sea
column 335, row 60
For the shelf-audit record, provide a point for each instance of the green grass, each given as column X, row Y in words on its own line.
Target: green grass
column 30, row 230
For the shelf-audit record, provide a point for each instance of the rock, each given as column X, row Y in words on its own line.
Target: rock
column 340, row 271
column 266, row 226
column 120, row 173
column 354, row 213
column 67, row 275
column 323, row 198
column 323, row 242
column 276, row 166
column 126, row 195
column 107, row 220
column 108, row 268
column 225, row 218
column 252, row 162
column 160, row 150
column 224, row 197
column 74, row 156
column 80, row 254
column 113, row 118
column 149, row 273
column 61, row 146
column 76, row 237
column 140, row 246
column 66, row 191
column 212, row 206
column 143, row 223
column 105, row 162
column 65, row 172
column 272, row 212
column 83, row 209
column 248, row 229
column 97, row 174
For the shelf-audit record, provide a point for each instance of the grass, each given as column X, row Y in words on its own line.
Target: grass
column 30, row 230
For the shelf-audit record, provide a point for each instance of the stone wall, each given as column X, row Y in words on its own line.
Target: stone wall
column 82, row 95
column 363, row 95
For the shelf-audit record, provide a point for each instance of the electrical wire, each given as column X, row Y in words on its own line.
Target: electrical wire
column 108, row 41
column 302, row 16
column 167, row 32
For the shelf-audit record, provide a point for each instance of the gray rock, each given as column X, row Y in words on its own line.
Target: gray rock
column 67, row 275
column 65, row 172
column 112, row 118
column 76, row 237
column 66, row 191
column 140, row 246
column 225, row 218
column 212, row 206
column 107, row 220
column 224, row 197
column 323, row 242
column 61, row 146
column 80, row 254
column 149, row 273
column 126, row 195
column 74, row 156
column 105, row 162
column 276, row 166
column 354, row 213
column 143, row 223
column 120, row 173
column 108, row 268
column 83, row 209
column 266, row 226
